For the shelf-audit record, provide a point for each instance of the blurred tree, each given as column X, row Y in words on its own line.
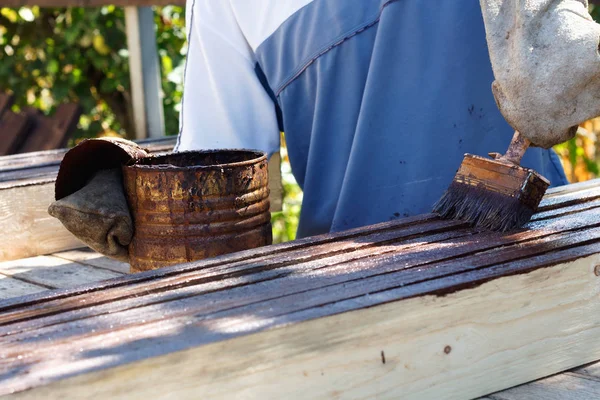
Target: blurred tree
column 54, row 55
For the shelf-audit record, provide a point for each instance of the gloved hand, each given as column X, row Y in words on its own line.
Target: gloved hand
column 546, row 64
column 90, row 197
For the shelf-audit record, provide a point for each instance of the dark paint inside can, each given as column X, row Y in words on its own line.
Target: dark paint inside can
column 195, row 205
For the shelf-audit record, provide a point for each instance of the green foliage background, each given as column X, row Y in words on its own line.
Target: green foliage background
column 54, row 55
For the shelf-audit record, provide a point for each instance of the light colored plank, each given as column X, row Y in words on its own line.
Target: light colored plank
column 54, row 272
column 10, row 287
column 136, row 76
column 559, row 387
column 27, row 228
column 275, row 183
column 461, row 345
column 90, row 257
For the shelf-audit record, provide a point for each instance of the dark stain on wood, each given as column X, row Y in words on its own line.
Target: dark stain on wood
column 162, row 311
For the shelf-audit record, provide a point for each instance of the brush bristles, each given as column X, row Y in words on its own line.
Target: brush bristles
column 483, row 208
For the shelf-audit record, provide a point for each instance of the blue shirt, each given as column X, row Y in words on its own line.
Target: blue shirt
column 379, row 99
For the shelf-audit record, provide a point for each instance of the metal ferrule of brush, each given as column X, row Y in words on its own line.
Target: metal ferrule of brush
column 496, row 194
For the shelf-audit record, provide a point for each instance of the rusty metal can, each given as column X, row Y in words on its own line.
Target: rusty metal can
column 193, row 205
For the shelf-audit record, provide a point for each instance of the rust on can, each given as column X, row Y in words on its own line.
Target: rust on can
column 193, row 205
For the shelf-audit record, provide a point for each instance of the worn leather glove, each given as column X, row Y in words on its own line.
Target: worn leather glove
column 544, row 54
column 98, row 215
column 90, row 197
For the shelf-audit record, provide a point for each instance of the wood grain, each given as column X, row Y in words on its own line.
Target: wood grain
column 27, row 228
column 54, row 272
column 468, row 312
column 89, row 257
column 457, row 346
column 10, row 287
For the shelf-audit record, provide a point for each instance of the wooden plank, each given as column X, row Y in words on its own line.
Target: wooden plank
column 49, row 133
column 457, row 346
column 89, row 257
column 46, row 158
column 14, row 129
column 27, row 228
column 306, row 250
column 558, row 387
column 10, row 287
column 469, row 313
column 90, row 3
column 6, row 101
column 54, row 272
column 275, row 183
column 136, row 75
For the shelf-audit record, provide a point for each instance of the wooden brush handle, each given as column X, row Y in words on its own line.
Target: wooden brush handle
column 516, row 150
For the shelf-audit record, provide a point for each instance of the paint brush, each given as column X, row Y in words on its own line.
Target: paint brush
column 496, row 194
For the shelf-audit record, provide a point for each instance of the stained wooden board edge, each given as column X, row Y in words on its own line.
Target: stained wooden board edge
column 465, row 344
column 224, row 259
column 216, row 261
column 541, row 242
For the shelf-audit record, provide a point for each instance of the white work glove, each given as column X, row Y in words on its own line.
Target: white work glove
column 546, row 65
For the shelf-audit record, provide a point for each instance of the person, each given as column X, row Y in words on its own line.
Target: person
column 378, row 99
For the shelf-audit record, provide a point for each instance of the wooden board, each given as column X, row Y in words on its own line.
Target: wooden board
column 54, row 272
column 14, row 128
column 413, row 309
column 49, row 133
column 27, row 228
column 89, row 257
column 10, row 287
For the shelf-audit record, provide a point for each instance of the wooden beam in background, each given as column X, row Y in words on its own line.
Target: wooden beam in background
column 414, row 309
column 144, row 72
column 90, row 3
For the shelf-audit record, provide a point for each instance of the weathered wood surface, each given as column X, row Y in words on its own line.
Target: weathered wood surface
column 62, row 270
column 454, row 314
column 10, row 287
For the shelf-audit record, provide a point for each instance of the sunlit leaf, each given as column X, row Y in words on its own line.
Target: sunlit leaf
column 26, row 14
